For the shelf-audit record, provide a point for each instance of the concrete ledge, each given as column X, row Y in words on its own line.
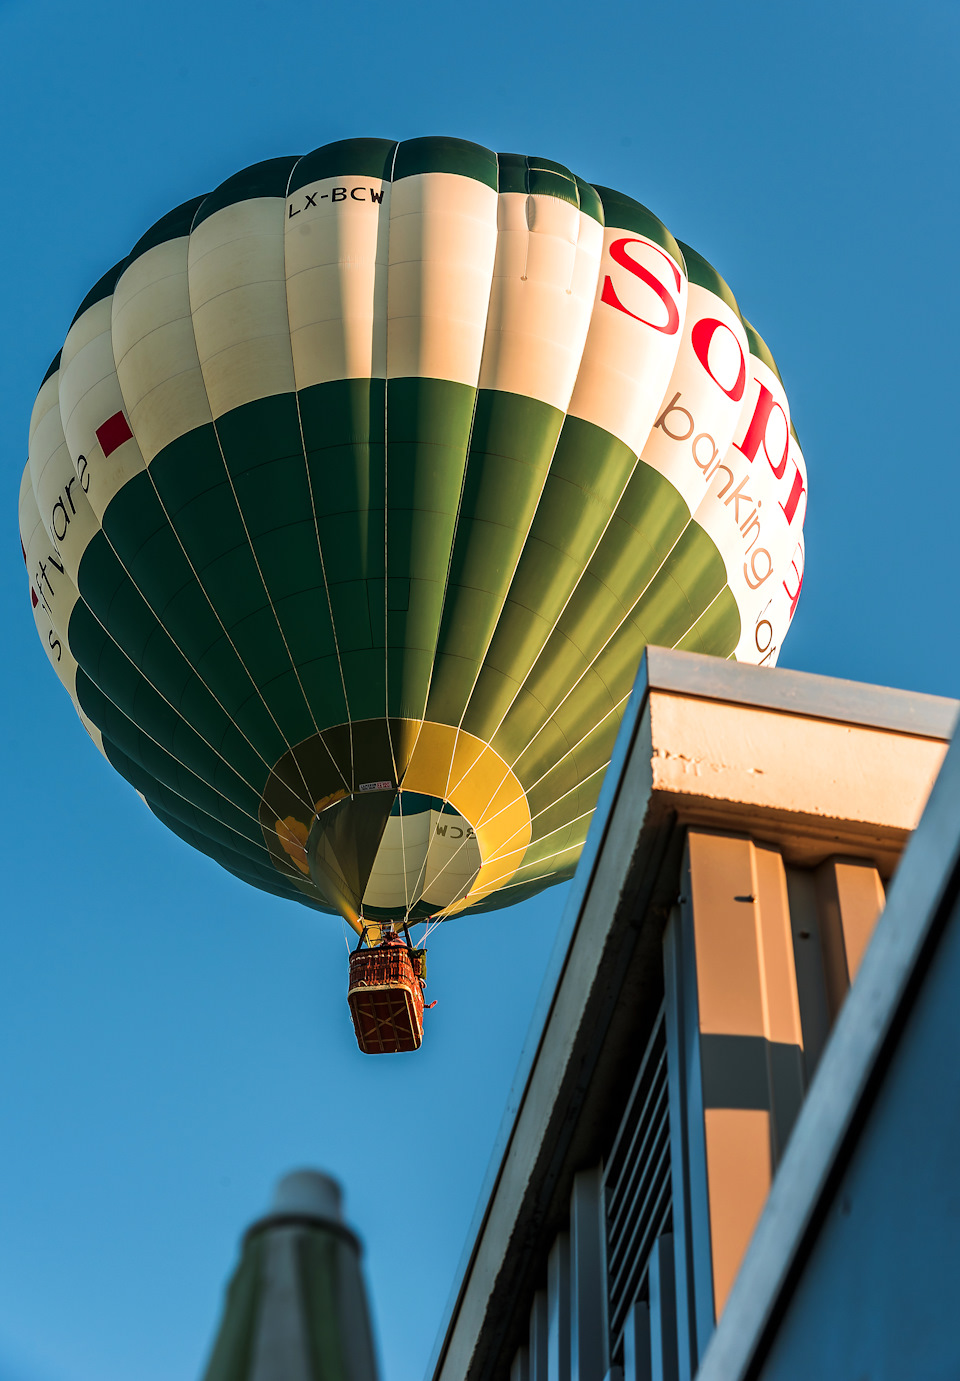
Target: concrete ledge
column 799, row 692
column 811, row 785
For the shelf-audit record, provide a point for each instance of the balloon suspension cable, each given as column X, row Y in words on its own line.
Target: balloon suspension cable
column 456, row 853
column 430, row 928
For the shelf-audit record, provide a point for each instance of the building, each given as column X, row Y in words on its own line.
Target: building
column 715, row 1163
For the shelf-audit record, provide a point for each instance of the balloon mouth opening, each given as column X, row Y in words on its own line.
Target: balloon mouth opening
column 389, row 857
column 395, row 820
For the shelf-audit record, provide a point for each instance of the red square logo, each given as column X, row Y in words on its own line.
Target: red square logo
column 113, row 433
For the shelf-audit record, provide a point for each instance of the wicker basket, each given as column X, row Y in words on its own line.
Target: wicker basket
column 386, row 998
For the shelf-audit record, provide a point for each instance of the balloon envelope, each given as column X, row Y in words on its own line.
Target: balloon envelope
column 357, row 491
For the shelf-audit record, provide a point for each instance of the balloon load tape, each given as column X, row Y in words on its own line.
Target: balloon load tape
column 385, row 995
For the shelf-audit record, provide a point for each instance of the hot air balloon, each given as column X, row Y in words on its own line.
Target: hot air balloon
column 356, row 492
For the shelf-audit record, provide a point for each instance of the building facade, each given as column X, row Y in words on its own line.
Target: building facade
column 750, row 825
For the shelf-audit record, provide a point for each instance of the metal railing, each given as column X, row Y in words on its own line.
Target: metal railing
column 637, row 1187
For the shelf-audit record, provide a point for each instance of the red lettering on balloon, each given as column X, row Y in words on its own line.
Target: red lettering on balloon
column 798, row 489
column 794, row 595
column 757, row 431
column 618, row 253
column 701, row 338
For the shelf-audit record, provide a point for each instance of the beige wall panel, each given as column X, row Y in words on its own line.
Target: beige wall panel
column 155, row 350
column 862, row 899
column 851, row 898
column 738, row 1181
column 443, row 239
column 778, row 975
column 238, row 296
column 89, row 396
column 544, row 281
column 729, row 987
column 336, row 267
column 627, row 363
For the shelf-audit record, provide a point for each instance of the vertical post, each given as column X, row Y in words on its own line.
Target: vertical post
column 663, row 1311
column 782, row 1027
column 736, row 1053
column 833, row 912
column 589, row 1342
column 850, row 898
column 520, row 1370
column 539, row 1331
column 683, row 1069
column 636, row 1343
column 815, row 1017
column 558, row 1309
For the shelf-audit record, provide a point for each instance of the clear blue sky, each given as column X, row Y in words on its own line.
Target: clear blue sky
column 170, row 1042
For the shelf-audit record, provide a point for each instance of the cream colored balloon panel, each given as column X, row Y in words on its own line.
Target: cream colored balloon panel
column 547, row 261
column 704, row 396
column 336, row 259
column 102, row 446
column 442, row 246
column 426, row 856
column 60, row 487
column 774, row 532
column 537, row 318
column 774, row 619
column 50, row 589
column 155, row 349
column 635, row 333
column 238, row 299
